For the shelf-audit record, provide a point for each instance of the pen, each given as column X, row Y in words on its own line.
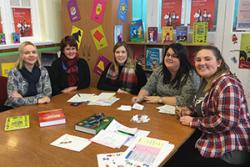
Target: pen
column 79, row 94
column 126, row 133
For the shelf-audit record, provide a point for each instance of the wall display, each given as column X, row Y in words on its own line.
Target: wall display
column 73, row 10
column 77, row 33
column 171, row 13
column 122, row 10
column 101, row 63
column 98, row 10
column 118, row 33
column 243, row 19
column 99, row 37
column 202, row 11
column 22, row 21
column 244, row 60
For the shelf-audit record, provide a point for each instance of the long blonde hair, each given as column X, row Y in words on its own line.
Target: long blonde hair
column 223, row 68
column 19, row 62
column 130, row 63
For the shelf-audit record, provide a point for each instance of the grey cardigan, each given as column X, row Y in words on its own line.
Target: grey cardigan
column 16, row 82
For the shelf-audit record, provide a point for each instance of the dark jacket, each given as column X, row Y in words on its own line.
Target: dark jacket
column 59, row 77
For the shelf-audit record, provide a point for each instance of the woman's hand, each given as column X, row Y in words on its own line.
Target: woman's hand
column 186, row 120
column 15, row 94
column 43, row 100
column 69, row 89
column 122, row 91
column 153, row 99
column 137, row 99
column 183, row 111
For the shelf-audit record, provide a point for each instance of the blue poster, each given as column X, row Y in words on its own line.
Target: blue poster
column 123, row 10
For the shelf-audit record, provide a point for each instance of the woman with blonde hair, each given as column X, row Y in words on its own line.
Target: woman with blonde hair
column 28, row 83
column 123, row 74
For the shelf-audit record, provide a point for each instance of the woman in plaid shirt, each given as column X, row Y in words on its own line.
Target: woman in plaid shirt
column 220, row 114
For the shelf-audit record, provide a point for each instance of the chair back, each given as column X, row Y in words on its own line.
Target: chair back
column 3, row 89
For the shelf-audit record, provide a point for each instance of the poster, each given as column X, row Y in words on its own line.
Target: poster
column 1, row 27
column 244, row 60
column 243, row 18
column 171, row 13
column 98, row 10
column 77, row 33
column 22, row 21
column 202, row 11
column 118, row 33
column 99, row 37
column 6, row 67
column 101, row 63
column 123, row 10
column 73, row 10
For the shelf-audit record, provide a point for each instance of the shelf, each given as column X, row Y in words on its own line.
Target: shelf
column 163, row 44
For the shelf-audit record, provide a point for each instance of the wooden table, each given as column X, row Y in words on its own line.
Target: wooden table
column 31, row 147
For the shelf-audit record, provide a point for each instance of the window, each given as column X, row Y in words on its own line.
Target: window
column 20, row 16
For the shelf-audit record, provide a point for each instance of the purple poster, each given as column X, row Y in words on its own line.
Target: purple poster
column 74, row 13
column 101, row 63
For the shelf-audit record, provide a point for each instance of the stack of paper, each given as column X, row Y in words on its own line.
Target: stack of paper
column 110, row 160
column 81, row 97
column 167, row 109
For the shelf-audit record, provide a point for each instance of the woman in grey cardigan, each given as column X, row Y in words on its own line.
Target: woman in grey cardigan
column 174, row 82
column 28, row 82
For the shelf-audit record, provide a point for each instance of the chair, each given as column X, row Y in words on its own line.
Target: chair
column 3, row 93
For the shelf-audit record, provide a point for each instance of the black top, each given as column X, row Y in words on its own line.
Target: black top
column 58, row 76
column 105, row 83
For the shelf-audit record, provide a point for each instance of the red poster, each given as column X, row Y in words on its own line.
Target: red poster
column 202, row 10
column 22, row 21
column 171, row 13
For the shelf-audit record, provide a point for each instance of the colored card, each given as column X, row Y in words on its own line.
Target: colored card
column 101, row 63
column 99, row 37
column 98, row 10
column 202, row 11
column 6, row 67
column 77, row 33
column 73, row 10
column 171, row 13
column 123, row 10
column 245, row 51
column 118, row 33
column 22, row 21
column 17, row 122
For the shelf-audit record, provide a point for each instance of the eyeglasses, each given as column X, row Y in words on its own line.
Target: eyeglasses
column 172, row 55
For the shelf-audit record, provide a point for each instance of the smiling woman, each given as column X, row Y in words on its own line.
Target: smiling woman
column 28, row 82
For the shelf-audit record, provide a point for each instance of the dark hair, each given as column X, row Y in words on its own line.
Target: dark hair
column 68, row 40
column 185, row 66
column 119, row 44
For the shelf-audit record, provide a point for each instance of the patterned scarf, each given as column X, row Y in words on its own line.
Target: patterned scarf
column 127, row 77
column 71, row 68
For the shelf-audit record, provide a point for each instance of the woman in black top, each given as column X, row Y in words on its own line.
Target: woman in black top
column 69, row 72
column 123, row 74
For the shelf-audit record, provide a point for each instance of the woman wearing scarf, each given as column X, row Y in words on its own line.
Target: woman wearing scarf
column 123, row 75
column 69, row 72
column 28, row 82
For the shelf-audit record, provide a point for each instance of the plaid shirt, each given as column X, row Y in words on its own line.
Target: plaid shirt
column 225, row 120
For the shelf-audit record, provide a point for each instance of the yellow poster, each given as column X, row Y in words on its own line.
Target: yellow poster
column 6, row 67
column 99, row 37
column 77, row 33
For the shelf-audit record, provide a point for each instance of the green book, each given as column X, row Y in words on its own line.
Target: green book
column 17, row 122
column 93, row 124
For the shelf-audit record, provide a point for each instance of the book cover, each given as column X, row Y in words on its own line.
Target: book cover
column 2, row 39
column 73, row 10
column 98, row 10
column 136, row 31
column 152, row 34
column 15, row 37
column 6, row 67
column 17, row 122
column 167, row 34
column 99, row 37
column 123, row 10
column 181, row 33
column 93, row 124
column 153, row 58
column 118, row 33
column 200, row 30
column 101, row 63
column 51, row 117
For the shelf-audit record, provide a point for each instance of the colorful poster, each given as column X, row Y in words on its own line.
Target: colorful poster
column 6, row 67
column 243, row 22
column 2, row 39
column 118, row 33
column 123, row 10
column 98, row 10
column 73, row 10
column 99, row 37
column 22, row 21
column 77, row 33
column 101, row 63
column 1, row 27
column 200, row 30
column 171, row 13
column 244, row 60
column 202, row 11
